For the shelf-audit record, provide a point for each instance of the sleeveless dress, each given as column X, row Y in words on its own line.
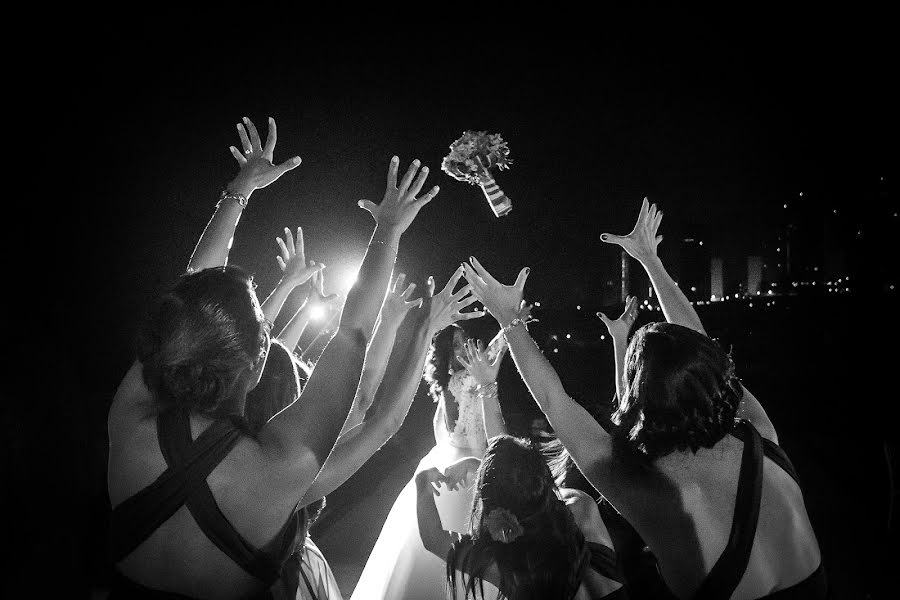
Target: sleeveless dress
column 189, row 463
column 729, row 569
column 399, row 567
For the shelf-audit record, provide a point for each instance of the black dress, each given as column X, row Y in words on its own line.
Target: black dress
column 184, row 483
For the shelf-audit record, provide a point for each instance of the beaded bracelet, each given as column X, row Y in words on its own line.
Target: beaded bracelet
column 226, row 195
column 515, row 323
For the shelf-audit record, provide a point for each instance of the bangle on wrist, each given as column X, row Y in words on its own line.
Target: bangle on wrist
column 239, row 198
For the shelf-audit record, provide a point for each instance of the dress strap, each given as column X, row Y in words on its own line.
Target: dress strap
column 605, row 561
column 176, row 445
column 135, row 519
column 726, row 574
column 773, row 452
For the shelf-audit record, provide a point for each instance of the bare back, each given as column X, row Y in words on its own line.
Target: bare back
column 686, row 519
column 178, row 557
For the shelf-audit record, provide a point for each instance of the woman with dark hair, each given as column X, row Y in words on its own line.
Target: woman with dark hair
column 526, row 537
column 399, row 566
column 201, row 506
column 693, row 463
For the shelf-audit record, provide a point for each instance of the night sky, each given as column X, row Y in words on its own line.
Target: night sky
column 720, row 125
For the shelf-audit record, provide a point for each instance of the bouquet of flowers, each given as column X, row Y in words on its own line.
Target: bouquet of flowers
column 472, row 157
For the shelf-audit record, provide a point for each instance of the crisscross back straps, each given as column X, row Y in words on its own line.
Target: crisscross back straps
column 773, row 452
column 135, row 519
column 726, row 574
column 176, row 445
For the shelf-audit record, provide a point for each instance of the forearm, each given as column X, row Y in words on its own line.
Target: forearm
column 620, row 347
column 273, row 304
column 675, row 306
column 214, row 244
column 583, row 437
column 494, row 424
column 434, row 538
column 294, row 329
column 376, row 362
column 392, row 402
column 367, row 295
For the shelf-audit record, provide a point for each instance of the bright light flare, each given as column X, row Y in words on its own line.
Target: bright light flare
column 317, row 312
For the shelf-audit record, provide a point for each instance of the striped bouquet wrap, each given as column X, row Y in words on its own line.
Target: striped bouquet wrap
column 472, row 158
column 499, row 202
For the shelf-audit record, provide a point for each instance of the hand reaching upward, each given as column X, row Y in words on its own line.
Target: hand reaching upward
column 641, row 243
column 502, row 301
column 396, row 302
column 257, row 161
column 400, row 206
column 619, row 328
column 479, row 365
column 292, row 260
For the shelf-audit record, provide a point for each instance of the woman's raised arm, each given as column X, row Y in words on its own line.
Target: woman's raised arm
column 641, row 245
column 300, row 437
column 256, row 171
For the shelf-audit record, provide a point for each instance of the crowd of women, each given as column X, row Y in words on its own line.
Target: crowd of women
column 223, row 444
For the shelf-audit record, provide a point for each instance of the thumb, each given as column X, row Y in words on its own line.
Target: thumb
column 604, row 318
column 368, row 205
column 520, row 280
column 611, row 239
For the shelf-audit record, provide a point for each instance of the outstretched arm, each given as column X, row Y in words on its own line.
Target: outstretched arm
column 401, row 380
column 641, row 245
column 618, row 331
column 484, row 371
column 392, row 315
column 584, row 438
column 256, row 171
column 316, row 301
column 294, row 272
column 302, row 435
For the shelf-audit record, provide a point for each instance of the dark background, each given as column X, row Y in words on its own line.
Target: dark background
column 721, row 124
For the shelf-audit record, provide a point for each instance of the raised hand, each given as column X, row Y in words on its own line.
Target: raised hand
column 292, row 260
column 256, row 161
column 461, row 472
column 445, row 307
column 479, row 365
column 641, row 243
column 317, row 290
column 619, row 328
column 400, row 206
column 502, row 301
column 432, row 477
column 396, row 302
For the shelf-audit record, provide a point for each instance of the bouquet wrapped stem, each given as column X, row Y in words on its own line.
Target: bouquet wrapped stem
column 499, row 202
column 471, row 159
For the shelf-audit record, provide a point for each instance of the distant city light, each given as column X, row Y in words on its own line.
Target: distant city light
column 693, row 289
column 777, row 249
column 538, row 304
column 555, row 350
column 578, row 307
column 892, row 286
column 751, row 305
column 568, row 336
column 602, row 337
column 835, row 212
column 701, row 242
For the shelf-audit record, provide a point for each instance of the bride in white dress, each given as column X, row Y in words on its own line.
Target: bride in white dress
column 399, row 566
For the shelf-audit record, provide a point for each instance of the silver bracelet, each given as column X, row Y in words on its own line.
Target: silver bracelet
column 488, row 390
column 226, row 195
column 515, row 323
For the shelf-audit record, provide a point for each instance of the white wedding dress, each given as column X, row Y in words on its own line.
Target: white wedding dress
column 399, row 567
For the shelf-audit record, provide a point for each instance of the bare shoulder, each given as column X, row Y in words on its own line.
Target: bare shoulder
column 130, row 402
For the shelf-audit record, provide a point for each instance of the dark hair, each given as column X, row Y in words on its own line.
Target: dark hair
column 680, row 391
column 201, row 337
column 440, row 357
column 280, row 385
column 550, row 556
